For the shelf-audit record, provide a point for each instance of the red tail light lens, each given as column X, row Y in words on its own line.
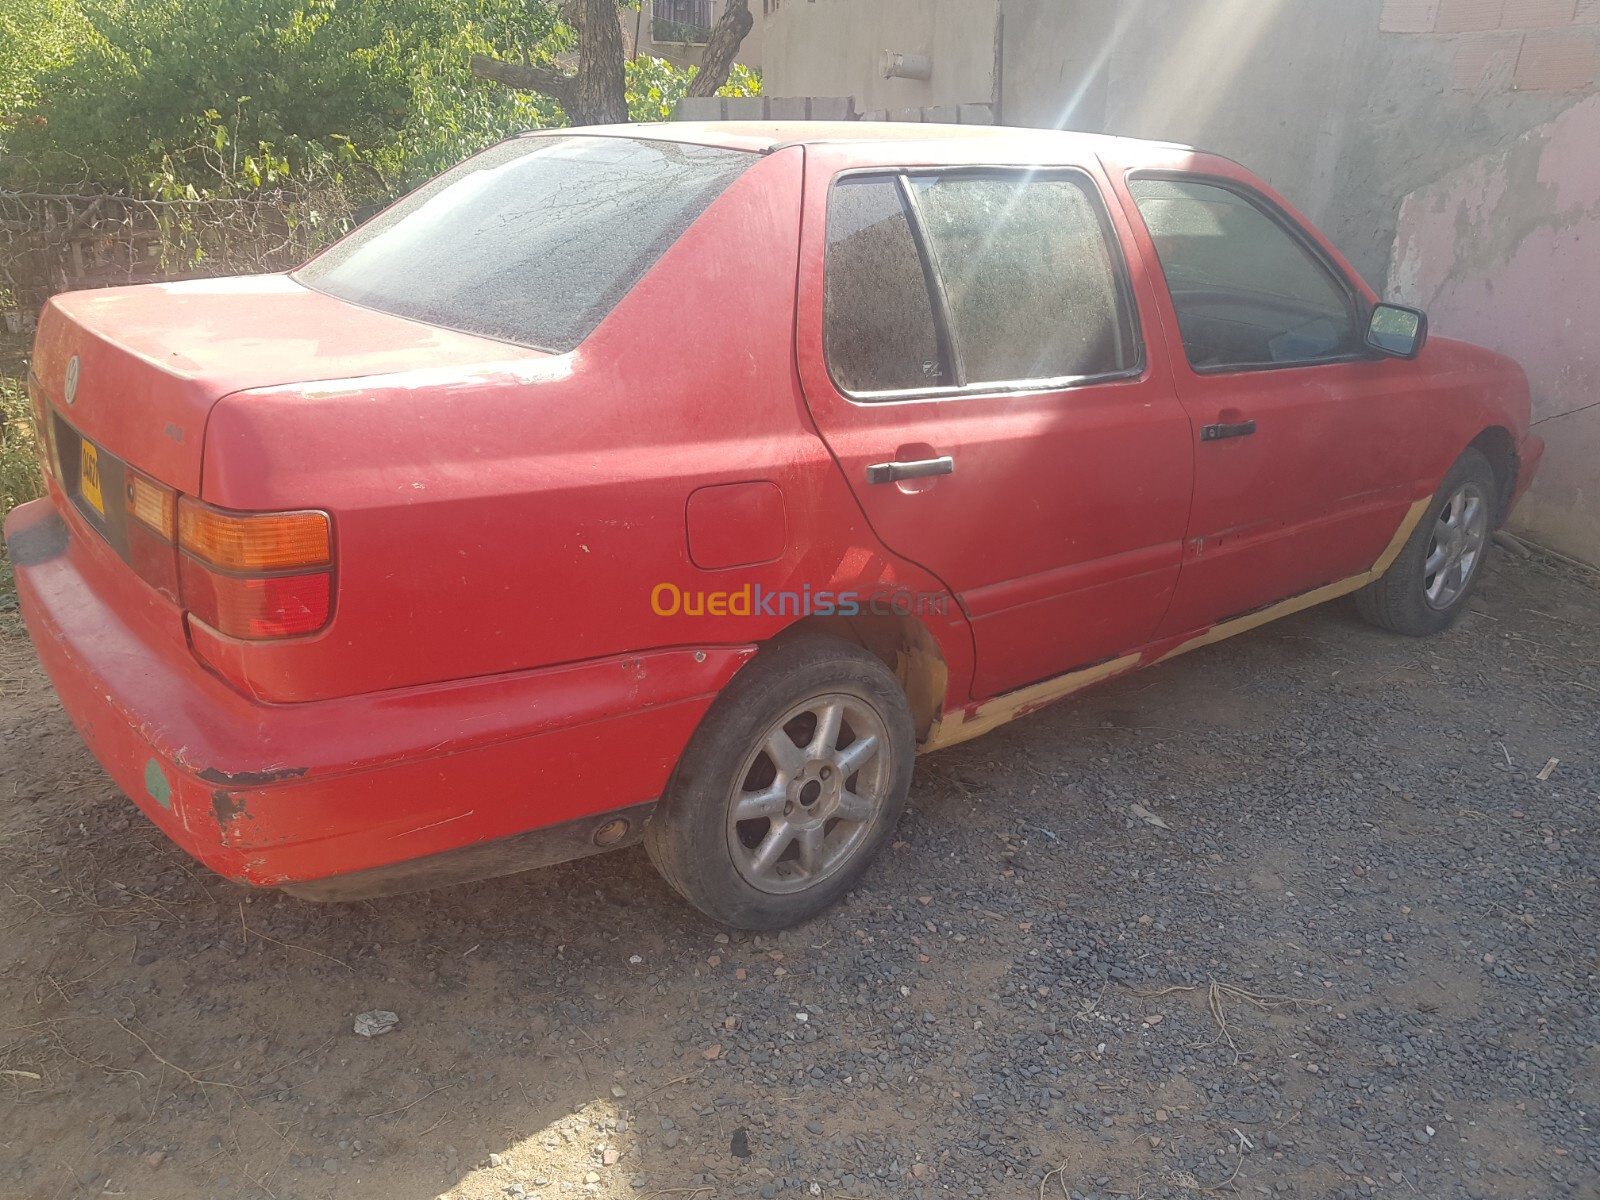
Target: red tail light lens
column 272, row 607
column 255, row 576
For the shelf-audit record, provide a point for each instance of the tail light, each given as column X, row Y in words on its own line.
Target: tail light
column 152, row 510
column 255, row 575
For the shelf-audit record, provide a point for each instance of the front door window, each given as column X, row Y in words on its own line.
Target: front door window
column 1249, row 294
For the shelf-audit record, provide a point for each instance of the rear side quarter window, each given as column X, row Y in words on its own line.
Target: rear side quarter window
column 879, row 327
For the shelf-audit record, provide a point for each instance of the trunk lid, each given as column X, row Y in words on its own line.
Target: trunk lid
column 134, row 371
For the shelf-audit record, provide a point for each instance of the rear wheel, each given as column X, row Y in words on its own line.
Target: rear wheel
column 1426, row 589
column 790, row 787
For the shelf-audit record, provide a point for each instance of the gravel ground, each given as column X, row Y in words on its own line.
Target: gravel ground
column 1294, row 915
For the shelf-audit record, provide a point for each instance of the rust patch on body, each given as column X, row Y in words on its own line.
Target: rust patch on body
column 251, row 778
column 230, row 810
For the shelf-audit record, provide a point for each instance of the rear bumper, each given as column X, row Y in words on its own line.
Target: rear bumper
column 307, row 794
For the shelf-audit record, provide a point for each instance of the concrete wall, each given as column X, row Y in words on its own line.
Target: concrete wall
column 832, row 47
column 1345, row 106
column 1506, row 252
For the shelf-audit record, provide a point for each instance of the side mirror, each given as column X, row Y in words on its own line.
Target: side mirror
column 1397, row 331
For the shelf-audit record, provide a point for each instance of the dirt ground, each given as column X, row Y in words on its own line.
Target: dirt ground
column 1294, row 915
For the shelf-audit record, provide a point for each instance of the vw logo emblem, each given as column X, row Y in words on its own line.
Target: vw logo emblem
column 70, row 386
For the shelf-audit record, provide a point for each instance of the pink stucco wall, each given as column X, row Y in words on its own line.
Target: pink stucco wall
column 1506, row 252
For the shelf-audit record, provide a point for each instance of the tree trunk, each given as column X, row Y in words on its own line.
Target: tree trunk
column 721, row 49
column 600, row 94
column 596, row 94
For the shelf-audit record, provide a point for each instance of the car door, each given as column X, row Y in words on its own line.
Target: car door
column 969, row 346
column 1300, row 478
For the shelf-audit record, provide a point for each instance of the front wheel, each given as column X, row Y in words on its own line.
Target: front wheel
column 789, row 789
column 1426, row 589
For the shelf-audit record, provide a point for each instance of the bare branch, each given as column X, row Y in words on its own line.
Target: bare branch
column 595, row 93
column 525, row 78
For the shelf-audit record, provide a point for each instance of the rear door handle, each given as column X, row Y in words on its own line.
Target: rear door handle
column 893, row 472
column 1215, row 433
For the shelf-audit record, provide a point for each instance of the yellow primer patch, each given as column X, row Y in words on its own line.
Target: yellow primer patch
column 964, row 725
column 1294, row 604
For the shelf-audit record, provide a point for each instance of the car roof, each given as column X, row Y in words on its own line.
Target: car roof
column 964, row 141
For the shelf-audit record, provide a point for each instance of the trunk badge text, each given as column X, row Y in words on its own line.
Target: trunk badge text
column 70, row 386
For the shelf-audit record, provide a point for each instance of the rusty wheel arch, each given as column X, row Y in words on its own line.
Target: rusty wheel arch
column 901, row 643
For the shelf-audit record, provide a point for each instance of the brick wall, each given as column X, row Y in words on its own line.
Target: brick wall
column 1508, row 45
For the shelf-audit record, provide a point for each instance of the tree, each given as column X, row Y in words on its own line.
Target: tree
column 133, row 94
column 595, row 92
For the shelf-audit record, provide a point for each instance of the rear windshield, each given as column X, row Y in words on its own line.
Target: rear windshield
column 533, row 241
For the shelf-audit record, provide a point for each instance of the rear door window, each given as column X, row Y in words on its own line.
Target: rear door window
column 973, row 280
column 1249, row 292
column 1033, row 290
column 533, row 241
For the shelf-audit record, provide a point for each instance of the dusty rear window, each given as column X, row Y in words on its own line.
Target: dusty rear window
column 533, row 241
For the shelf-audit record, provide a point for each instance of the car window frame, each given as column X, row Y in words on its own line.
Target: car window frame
column 939, row 300
column 1360, row 309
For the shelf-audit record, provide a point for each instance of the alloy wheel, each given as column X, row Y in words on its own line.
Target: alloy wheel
column 1456, row 548
column 809, row 793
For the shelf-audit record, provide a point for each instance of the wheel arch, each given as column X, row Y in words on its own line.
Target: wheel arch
column 904, row 645
column 1497, row 445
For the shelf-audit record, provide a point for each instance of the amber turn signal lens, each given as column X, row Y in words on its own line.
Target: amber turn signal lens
column 253, row 541
column 153, row 505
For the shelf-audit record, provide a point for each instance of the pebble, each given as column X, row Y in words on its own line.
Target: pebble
column 1338, row 833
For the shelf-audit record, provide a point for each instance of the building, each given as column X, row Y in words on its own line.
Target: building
column 1449, row 147
column 677, row 30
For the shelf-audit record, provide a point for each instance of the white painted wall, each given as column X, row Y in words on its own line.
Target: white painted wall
column 832, row 47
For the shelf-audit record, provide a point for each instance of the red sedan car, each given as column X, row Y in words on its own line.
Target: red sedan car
column 684, row 482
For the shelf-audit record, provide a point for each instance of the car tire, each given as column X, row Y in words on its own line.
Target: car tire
column 1426, row 589
column 790, row 787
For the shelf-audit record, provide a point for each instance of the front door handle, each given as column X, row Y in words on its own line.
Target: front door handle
column 1215, row 433
column 893, row 472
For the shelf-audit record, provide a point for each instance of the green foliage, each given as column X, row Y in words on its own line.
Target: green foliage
column 35, row 36
column 199, row 98
column 211, row 94
column 655, row 86
column 217, row 97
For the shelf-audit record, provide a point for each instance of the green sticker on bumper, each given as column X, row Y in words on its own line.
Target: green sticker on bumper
column 155, row 782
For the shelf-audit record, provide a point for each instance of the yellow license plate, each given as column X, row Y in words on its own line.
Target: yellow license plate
column 89, row 477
